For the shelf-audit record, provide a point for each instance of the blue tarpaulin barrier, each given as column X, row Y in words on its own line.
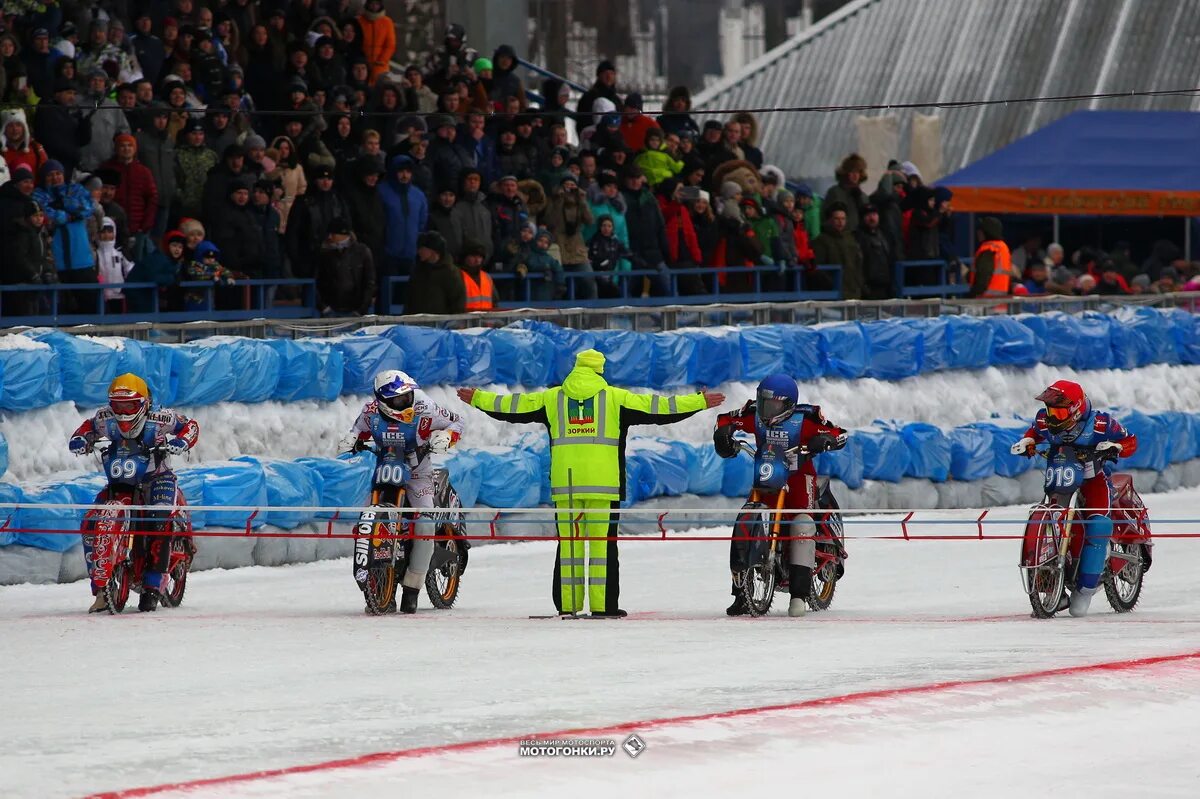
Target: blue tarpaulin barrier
column 716, row 359
column 1014, row 344
column 1059, row 334
column 29, row 378
column 738, row 476
column 894, row 352
column 971, row 455
column 844, row 349
column 363, row 357
column 1004, row 435
column 345, row 480
column 567, row 343
column 511, row 479
column 202, row 374
column 1153, row 450
column 9, row 517
column 309, row 369
column 628, row 356
column 522, row 357
column 1185, row 329
column 705, row 472
column 672, row 356
column 463, row 468
column 928, row 451
column 30, row 518
column 765, row 351
column 806, row 355
column 235, row 483
column 884, row 454
column 970, row 342
column 1095, row 350
column 431, row 354
column 288, row 485
column 935, row 342
column 476, row 357
column 3, row 454
column 87, row 366
column 845, row 464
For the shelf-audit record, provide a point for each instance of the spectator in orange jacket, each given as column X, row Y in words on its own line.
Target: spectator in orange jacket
column 379, row 38
column 635, row 124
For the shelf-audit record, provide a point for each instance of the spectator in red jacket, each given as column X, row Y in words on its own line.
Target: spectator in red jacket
column 635, row 124
column 683, row 248
column 137, row 192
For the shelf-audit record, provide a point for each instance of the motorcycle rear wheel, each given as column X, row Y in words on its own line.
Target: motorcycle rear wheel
column 442, row 583
column 116, row 591
column 173, row 596
column 1124, row 588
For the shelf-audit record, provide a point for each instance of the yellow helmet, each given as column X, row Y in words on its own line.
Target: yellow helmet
column 129, row 398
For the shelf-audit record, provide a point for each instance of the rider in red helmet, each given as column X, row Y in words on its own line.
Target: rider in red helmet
column 1069, row 420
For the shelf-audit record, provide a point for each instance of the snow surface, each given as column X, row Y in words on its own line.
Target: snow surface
column 273, row 667
column 298, row 429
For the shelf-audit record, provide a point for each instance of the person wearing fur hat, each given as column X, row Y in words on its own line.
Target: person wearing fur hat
column 727, row 149
column 436, row 286
column 676, row 116
column 19, row 147
column 850, row 174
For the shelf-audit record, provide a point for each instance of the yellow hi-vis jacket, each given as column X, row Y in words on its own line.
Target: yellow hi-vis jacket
column 587, row 419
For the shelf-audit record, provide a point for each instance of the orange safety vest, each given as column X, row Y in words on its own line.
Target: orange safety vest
column 479, row 295
column 1003, row 274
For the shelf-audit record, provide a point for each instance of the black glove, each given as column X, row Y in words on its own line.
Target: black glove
column 723, row 441
column 823, row 442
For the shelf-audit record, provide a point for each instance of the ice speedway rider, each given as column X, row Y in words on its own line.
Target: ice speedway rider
column 1069, row 420
column 778, row 424
column 130, row 416
column 402, row 412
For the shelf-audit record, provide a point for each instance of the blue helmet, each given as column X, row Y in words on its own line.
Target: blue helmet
column 777, row 396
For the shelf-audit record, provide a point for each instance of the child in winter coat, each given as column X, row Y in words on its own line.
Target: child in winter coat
column 607, row 254
column 548, row 280
column 655, row 161
column 206, row 265
column 30, row 260
column 112, row 266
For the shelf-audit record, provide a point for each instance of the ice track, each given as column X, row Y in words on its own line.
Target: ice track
column 277, row 668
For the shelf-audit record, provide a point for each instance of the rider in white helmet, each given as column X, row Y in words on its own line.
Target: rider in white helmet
column 401, row 407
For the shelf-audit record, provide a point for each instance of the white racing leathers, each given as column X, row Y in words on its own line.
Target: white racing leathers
column 428, row 416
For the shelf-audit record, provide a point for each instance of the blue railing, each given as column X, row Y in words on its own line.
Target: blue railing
column 946, row 284
column 253, row 296
column 630, row 285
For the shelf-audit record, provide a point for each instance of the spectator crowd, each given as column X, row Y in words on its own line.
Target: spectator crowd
column 170, row 141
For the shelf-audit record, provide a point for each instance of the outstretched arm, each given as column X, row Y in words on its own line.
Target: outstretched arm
column 516, row 408
column 662, row 409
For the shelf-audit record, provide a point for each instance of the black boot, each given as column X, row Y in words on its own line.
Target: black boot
column 799, row 581
column 149, row 600
column 408, row 600
column 739, row 606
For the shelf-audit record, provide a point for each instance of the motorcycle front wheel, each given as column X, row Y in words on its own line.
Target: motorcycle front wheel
column 1049, row 584
column 181, row 553
column 116, row 591
column 379, row 589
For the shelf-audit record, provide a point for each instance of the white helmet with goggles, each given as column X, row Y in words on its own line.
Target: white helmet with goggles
column 395, row 393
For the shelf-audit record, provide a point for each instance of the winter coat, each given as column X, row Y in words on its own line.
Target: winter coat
column 483, row 151
column 151, row 55
column 370, row 222
column 270, row 230
column 448, row 160
column 738, row 246
column 107, row 120
column 647, row 230
column 25, row 255
column 658, row 165
column 63, row 131
column 615, row 210
column 308, row 225
column 407, row 213
column 238, row 234
column 566, row 216
column 923, row 236
column 26, row 152
column 766, row 229
column 346, row 278
column 137, row 194
column 545, row 273
column 682, row 246
column 158, row 268
column 192, row 165
column 507, row 218
column 877, row 260
column 514, row 162
column 436, row 289
column 608, row 254
column 441, row 220
column 157, row 151
column 833, row 247
column 853, row 198
column 590, row 97
column 633, row 130
column 112, row 267
column 216, row 190
column 378, row 42
column 474, row 221
column 68, row 208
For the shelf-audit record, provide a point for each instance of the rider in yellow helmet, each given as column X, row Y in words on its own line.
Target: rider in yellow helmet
column 135, row 427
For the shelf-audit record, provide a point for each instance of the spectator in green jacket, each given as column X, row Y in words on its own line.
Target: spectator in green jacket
column 655, row 161
column 836, row 245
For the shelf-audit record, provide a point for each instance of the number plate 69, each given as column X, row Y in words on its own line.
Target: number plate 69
column 126, row 469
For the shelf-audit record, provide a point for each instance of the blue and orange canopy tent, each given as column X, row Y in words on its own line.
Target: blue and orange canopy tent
column 1095, row 163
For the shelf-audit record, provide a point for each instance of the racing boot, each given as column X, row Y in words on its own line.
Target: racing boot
column 408, row 600
column 739, row 606
column 1080, row 600
column 800, row 580
column 1064, row 602
column 148, row 601
column 99, row 605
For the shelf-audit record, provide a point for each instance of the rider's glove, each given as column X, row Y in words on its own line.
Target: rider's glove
column 441, row 441
column 349, row 443
column 723, row 441
column 1026, row 446
column 1108, row 450
column 79, row 445
column 176, row 446
column 822, row 442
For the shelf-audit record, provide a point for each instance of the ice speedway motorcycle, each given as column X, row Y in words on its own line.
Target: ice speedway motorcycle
column 383, row 538
column 1054, row 536
column 118, row 534
column 759, row 561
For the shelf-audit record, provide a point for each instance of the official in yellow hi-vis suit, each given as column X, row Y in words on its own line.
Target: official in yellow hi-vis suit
column 587, row 420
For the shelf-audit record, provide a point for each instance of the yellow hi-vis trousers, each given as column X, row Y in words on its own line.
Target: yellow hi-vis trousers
column 585, row 558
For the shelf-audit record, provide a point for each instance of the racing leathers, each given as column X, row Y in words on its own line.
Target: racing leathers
column 408, row 442
column 163, row 428
column 1094, row 430
column 806, row 427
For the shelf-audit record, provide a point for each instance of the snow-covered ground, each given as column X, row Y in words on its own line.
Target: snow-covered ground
column 37, row 439
column 278, row 668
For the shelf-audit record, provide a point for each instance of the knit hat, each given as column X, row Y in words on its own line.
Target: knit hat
column 432, row 240
column 729, row 190
column 193, row 125
column 29, row 208
column 21, row 173
column 125, row 138
column 590, row 359
column 481, row 64
column 473, row 247
column 338, row 225
column 254, row 142
column 205, row 247
column 605, row 66
column 634, row 101
column 804, row 190
column 173, row 235
column 48, row 167
column 713, row 124
column 942, row 194
column 910, row 169
column 439, row 121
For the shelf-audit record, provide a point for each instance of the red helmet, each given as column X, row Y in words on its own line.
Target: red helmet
column 1066, row 405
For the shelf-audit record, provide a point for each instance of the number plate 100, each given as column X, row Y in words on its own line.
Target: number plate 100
column 395, row 474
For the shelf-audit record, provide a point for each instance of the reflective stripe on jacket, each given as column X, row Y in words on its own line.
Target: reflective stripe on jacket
column 479, row 295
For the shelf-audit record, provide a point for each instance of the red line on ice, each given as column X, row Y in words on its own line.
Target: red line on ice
column 640, row 726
